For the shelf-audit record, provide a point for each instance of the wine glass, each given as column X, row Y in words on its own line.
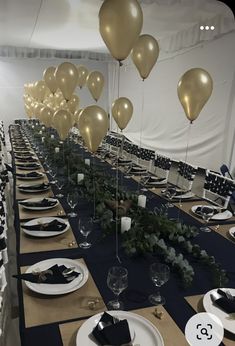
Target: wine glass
column 160, row 274
column 72, row 200
column 85, row 227
column 59, row 184
column 170, row 194
column 206, row 213
column 117, row 281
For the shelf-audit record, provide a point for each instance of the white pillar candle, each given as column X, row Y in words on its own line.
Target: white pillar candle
column 32, row 126
column 43, row 138
column 52, row 136
column 142, row 201
column 40, row 132
column 80, row 177
column 87, row 162
column 57, row 150
column 125, row 224
column 43, row 128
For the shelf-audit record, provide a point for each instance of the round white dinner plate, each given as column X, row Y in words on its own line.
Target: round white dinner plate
column 228, row 320
column 232, row 232
column 56, row 289
column 23, row 188
column 145, row 332
column 186, row 195
column 43, row 220
column 162, row 182
column 37, row 200
column 225, row 215
column 28, row 167
column 32, row 178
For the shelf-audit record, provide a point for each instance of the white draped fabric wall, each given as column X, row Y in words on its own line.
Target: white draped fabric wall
column 164, row 125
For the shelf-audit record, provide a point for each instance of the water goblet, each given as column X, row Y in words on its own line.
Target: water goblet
column 117, row 281
column 160, row 274
column 206, row 213
column 170, row 194
column 59, row 184
column 85, row 227
column 72, row 200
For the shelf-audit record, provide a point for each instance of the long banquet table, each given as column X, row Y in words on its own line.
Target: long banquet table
column 53, row 321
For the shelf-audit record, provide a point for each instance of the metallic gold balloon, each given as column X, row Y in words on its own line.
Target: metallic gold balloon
column 76, row 117
column 49, row 78
column 40, row 90
column 63, row 122
column 93, row 126
column 122, row 110
column 95, row 84
column 194, row 89
column 46, row 115
column 144, row 54
column 82, row 75
column 66, row 76
column 120, row 23
column 73, row 104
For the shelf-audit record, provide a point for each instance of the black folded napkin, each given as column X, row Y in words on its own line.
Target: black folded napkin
column 227, row 305
column 42, row 186
column 111, row 332
column 31, row 174
column 206, row 210
column 53, row 226
column 27, row 165
column 152, row 180
column 43, row 203
column 53, row 275
column 26, row 159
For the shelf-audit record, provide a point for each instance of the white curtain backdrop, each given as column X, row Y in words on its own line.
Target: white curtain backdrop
column 164, row 125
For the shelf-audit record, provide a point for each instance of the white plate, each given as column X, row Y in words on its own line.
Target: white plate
column 23, row 188
column 43, row 220
column 162, row 182
column 56, row 289
column 186, row 195
column 37, row 200
column 225, row 215
column 32, row 178
column 228, row 320
column 232, row 232
column 28, row 167
column 146, row 334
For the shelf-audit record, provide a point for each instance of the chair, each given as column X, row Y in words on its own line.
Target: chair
column 162, row 165
column 224, row 170
column 186, row 173
column 219, row 187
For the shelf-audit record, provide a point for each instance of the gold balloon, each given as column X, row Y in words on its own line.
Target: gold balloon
column 95, row 84
column 82, row 75
column 63, row 122
column 46, row 115
column 66, row 76
column 93, row 126
column 76, row 117
column 49, row 78
column 194, row 89
column 73, row 104
column 40, row 90
column 120, row 23
column 144, row 54
column 122, row 110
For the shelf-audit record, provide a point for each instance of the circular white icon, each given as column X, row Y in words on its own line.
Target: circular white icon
column 204, row 329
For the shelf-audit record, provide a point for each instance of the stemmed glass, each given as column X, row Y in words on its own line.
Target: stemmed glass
column 52, row 172
column 206, row 214
column 59, row 184
column 170, row 194
column 85, row 227
column 117, row 281
column 160, row 274
column 72, row 200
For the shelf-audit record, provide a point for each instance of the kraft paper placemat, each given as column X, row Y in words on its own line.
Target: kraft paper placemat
column 169, row 330
column 39, row 169
column 223, row 231
column 41, row 309
column 25, row 214
column 196, row 303
column 44, row 179
column 30, row 244
column 26, row 195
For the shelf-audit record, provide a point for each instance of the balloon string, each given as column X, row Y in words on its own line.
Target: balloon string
column 94, row 199
column 117, row 181
column 141, row 122
column 185, row 161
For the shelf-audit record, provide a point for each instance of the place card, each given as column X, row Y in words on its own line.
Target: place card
column 125, row 224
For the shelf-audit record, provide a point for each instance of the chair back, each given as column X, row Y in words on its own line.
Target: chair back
column 186, row 173
column 162, row 166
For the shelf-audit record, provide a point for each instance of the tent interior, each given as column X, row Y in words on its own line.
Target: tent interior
column 36, row 34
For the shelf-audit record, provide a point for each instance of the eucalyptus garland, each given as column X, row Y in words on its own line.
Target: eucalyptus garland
column 150, row 232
